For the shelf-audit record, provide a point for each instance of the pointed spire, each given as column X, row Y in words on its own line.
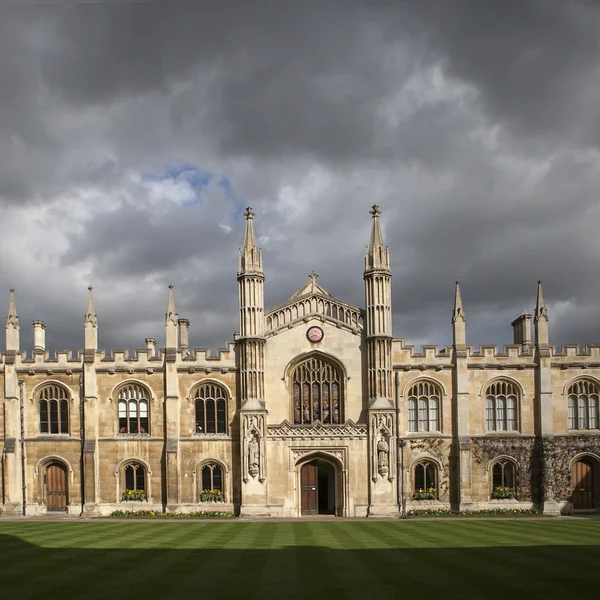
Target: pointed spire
column 90, row 315
column 171, row 315
column 12, row 324
column 250, row 257
column 378, row 256
column 249, row 240
column 540, row 306
column 459, row 312
column 12, row 317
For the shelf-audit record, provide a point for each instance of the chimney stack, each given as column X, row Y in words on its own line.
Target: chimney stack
column 151, row 346
column 184, row 343
column 39, row 335
column 522, row 331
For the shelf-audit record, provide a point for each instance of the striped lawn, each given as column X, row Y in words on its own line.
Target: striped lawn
column 338, row 559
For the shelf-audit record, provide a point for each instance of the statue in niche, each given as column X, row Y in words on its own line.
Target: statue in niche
column 383, row 450
column 253, row 456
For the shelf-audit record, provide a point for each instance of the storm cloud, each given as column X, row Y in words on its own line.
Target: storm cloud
column 132, row 136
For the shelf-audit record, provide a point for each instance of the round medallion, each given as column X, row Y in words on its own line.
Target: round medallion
column 314, row 334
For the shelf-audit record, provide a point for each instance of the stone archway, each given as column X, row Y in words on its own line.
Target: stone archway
column 321, row 486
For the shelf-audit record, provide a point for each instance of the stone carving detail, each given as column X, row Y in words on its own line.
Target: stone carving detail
column 382, row 434
column 339, row 454
column 254, row 447
column 317, row 430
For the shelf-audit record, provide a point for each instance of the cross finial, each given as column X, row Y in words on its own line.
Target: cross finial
column 375, row 212
column 314, row 276
column 249, row 213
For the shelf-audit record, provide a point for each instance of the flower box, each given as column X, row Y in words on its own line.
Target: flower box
column 504, row 493
column 211, row 496
column 133, row 496
column 425, row 494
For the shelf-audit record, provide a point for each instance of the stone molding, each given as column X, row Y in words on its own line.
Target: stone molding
column 347, row 430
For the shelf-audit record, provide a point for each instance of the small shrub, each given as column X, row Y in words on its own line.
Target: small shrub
column 153, row 514
column 133, row 496
column 211, row 496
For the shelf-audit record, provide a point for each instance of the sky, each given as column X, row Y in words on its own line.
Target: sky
column 133, row 135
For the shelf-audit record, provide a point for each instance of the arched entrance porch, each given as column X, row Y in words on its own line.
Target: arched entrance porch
column 321, row 486
column 585, row 483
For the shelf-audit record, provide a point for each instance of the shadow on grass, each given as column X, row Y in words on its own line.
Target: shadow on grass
column 29, row 571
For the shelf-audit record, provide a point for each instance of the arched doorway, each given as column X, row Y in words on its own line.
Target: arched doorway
column 55, row 487
column 317, row 488
column 585, row 483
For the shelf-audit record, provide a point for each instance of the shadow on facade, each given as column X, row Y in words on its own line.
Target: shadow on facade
column 532, row 572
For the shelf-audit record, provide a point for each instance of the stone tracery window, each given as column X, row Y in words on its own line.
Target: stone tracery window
column 501, row 402
column 424, row 407
column 211, row 409
column 583, row 404
column 54, row 410
column 133, row 409
column 317, row 392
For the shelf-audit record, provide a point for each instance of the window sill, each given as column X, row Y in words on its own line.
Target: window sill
column 212, row 436
column 54, row 435
column 580, row 431
column 132, row 435
column 500, row 433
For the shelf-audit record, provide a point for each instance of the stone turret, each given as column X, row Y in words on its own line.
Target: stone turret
column 378, row 318
column 252, row 323
column 12, row 324
column 171, row 321
column 91, row 323
column 541, row 319
column 459, row 320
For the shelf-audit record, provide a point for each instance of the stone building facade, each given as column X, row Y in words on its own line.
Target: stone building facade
column 314, row 408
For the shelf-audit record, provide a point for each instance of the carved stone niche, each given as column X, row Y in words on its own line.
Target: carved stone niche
column 254, row 447
column 382, row 443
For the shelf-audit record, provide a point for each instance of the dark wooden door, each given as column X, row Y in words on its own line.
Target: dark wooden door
column 56, row 488
column 308, row 482
column 583, row 485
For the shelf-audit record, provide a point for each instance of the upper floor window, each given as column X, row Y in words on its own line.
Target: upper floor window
column 583, row 404
column 317, row 392
column 424, row 407
column 54, row 409
column 133, row 409
column 501, row 402
column 211, row 409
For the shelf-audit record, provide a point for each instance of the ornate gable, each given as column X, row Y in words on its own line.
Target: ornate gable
column 309, row 301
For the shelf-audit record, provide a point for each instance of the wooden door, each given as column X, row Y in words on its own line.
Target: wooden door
column 308, row 483
column 56, row 488
column 583, row 485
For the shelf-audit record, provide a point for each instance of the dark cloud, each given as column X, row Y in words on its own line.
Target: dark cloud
column 472, row 124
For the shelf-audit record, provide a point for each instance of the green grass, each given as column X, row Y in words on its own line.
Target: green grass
column 338, row 559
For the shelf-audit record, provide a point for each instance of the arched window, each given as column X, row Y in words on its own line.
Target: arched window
column 425, row 481
column 503, row 479
column 133, row 409
column 211, row 409
column 583, row 404
column 133, row 482
column 54, row 410
column 211, row 483
column 501, row 406
column 317, row 392
column 424, row 407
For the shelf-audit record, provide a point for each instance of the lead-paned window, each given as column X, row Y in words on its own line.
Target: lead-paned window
column 316, row 386
column 424, row 407
column 211, row 409
column 583, row 400
column 501, row 407
column 133, row 409
column 54, row 410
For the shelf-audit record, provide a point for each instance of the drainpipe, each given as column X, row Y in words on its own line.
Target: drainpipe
column 81, row 437
column 21, row 411
column 400, row 452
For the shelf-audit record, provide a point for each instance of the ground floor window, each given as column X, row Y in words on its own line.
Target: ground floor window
column 211, row 483
column 425, row 481
column 503, row 480
column 134, row 482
